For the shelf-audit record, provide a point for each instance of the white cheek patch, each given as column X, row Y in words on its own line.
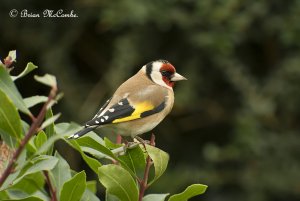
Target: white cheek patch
column 156, row 75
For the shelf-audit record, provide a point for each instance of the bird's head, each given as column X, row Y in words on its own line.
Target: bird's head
column 163, row 73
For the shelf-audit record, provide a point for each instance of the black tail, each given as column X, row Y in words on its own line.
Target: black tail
column 81, row 133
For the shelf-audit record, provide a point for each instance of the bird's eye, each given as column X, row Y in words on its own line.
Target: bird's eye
column 166, row 73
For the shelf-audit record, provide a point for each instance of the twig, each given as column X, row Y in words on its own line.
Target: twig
column 51, row 189
column 32, row 130
column 144, row 182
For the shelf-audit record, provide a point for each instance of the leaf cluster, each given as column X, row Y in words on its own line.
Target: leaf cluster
column 36, row 171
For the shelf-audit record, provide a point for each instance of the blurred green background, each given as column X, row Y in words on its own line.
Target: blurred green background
column 235, row 124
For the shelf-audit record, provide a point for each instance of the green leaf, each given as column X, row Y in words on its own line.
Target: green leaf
column 87, row 141
column 10, row 121
column 40, row 139
column 30, row 67
column 66, row 128
column 19, row 165
column 50, row 121
column 50, row 130
column 60, row 173
column 31, row 198
column 74, row 188
column 34, row 100
column 37, row 164
column 9, row 88
column 110, row 197
column 92, row 163
column 3, row 194
column 135, row 160
column 118, row 182
column 191, row 191
column 49, row 144
column 47, row 79
column 92, row 186
column 109, row 144
column 155, row 197
column 31, row 183
column 88, row 195
column 160, row 160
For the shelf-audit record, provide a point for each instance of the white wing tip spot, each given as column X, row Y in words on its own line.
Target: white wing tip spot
column 111, row 110
column 106, row 117
column 74, row 136
column 97, row 122
column 102, row 120
column 120, row 103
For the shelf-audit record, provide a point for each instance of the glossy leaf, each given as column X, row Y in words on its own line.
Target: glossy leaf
column 10, row 122
column 50, row 121
column 87, row 141
column 155, row 197
column 118, row 182
column 160, row 160
column 47, row 79
column 74, row 188
column 49, row 143
column 135, row 160
column 29, row 67
column 38, row 164
column 50, row 129
column 92, row 186
column 191, row 191
column 88, row 195
column 31, row 183
column 21, row 162
column 92, row 163
column 60, row 173
column 110, row 197
column 9, row 88
column 34, row 100
column 40, row 139
column 109, row 144
column 31, row 198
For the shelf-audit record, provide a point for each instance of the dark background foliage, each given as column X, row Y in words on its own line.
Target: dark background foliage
column 235, row 123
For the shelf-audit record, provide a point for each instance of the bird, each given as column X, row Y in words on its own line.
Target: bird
column 139, row 104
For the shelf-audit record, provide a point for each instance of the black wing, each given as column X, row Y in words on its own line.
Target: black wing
column 119, row 112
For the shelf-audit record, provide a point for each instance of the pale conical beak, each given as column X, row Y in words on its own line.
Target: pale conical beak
column 177, row 77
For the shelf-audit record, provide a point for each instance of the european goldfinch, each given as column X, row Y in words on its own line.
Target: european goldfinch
column 139, row 104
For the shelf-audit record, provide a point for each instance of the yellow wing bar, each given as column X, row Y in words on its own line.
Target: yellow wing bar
column 139, row 109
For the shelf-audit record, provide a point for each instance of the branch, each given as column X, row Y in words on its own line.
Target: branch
column 144, row 182
column 32, row 130
column 51, row 189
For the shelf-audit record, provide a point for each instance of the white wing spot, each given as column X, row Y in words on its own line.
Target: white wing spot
column 120, row 103
column 106, row 117
column 86, row 125
column 75, row 136
column 102, row 120
column 97, row 122
column 111, row 110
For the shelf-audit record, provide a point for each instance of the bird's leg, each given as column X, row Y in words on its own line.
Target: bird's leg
column 142, row 141
column 129, row 145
